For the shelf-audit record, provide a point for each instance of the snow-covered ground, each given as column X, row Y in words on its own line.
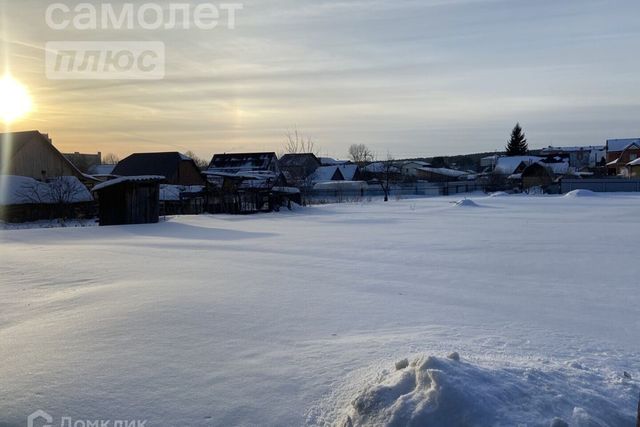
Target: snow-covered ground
column 307, row 317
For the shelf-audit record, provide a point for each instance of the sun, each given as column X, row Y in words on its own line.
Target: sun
column 15, row 101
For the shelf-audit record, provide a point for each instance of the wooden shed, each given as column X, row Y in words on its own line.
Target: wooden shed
column 129, row 200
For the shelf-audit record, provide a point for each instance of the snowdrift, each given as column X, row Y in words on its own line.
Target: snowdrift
column 432, row 391
column 466, row 203
column 580, row 193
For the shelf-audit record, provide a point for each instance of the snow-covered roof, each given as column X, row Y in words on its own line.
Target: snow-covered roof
column 444, row 171
column 619, row 145
column 636, row 162
column 508, row 165
column 417, row 163
column 348, row 171
column 242, row 162
column 101, row 170
column 325, row 173
column 574, row 148
column 122, row 179
column 21, row 190
column 379, row 167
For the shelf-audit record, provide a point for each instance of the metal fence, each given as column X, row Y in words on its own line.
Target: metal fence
column 408, row 190
column 601, row 185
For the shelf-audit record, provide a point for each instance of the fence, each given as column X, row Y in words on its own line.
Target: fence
column 418, row 189
column 601, row 185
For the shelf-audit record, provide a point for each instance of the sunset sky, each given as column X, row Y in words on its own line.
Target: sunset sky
column 415, row 78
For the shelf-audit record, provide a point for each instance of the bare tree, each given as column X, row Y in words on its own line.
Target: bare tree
column 388, row 167
column 201, row 163
column 61, row 192
column 360, row 154
column 298, row 143
column 110, row 159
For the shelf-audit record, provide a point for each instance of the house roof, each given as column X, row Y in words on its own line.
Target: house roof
column 574, row 149
column 508, row 165
column 619, row 145
column 349, row 171
column 297, row 159
column 444, row 171
column 138, row 164
column 243, row 161
column 418, row 163
column 327, row 173
column 380, row 167
column 636, row 162
column 101, row 169
column 124, row 179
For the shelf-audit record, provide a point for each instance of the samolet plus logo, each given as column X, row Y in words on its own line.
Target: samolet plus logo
column 39, row 419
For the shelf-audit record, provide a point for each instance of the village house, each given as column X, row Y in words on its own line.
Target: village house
column 410, row 168
column 537, row 175
column 32, row 154
column 621, row 152
column 245, row 182
column 298, row 168
column 177, row 168
column 84, row 162
column 581, row 157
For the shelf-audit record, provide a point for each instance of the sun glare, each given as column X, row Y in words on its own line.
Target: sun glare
column 15, row 101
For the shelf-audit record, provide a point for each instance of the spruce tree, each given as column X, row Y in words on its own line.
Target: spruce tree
column 517, row 145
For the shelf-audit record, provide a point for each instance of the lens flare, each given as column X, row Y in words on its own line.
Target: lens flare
column 15, row 101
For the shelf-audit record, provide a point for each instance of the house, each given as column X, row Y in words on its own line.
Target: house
column 620, row 152
column 580, row 157
column 129, row 200
column 177, row 168
column 298, row 168
column 439, row 174
column 633, row 169
column 537, row 175
column 410, row 168
column 33, row 155
column 243, row 182
column 244, row 162
column 84, row 162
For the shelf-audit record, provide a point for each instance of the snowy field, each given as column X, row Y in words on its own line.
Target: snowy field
column 334, row 315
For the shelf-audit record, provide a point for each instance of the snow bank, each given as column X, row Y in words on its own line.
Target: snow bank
column 499, row 194
column 466, row 203
column 434, row 391
column 580, row 193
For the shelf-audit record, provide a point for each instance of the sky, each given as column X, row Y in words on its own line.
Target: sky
column 410, row 78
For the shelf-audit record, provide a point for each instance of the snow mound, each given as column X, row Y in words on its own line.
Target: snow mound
column 580, row 193
column 499, row 194
column 466, row 203
column 434, row 391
